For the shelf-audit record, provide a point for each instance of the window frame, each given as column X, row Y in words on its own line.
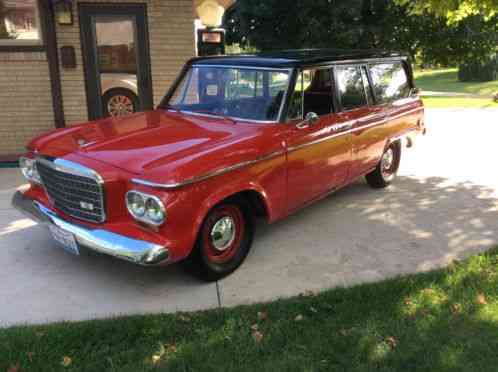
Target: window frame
column 358, row 66
column 38, row 45
column 165, row 103
column 300, row 74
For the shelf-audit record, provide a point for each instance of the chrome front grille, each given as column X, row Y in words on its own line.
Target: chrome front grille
column 73, row 189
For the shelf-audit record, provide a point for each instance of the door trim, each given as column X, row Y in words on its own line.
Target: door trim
column 90, row 68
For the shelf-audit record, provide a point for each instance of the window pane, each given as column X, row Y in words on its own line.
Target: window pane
column 116, row 44
column 235, row 92
column 390, row 82
column 351, row 90
column 19, row 20
column 317, row 91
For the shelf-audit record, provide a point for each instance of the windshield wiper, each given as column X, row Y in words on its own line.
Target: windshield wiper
column 207, row 112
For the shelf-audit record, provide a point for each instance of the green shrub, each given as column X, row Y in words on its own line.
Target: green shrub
column 478, row 70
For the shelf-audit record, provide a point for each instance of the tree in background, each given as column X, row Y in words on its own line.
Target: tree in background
column 453, row 10
column 424, row 33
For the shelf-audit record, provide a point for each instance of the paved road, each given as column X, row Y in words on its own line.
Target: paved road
column 443, row 206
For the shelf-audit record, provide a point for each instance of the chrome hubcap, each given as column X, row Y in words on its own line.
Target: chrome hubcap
column 387, row 160
column 120, row 106
column 223, row 233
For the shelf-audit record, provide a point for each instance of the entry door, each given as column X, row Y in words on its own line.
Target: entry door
column 115, row 47
column 319, row 154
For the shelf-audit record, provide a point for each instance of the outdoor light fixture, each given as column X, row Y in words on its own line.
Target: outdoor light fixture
column 63, row 10
column 210, row 13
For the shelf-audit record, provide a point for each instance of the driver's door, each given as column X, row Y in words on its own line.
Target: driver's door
column 319, row 153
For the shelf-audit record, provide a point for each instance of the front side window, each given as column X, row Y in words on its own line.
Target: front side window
column 317, row 91
column 245, row 93
column 351, row 88
column 19, row 22
column 389, row 81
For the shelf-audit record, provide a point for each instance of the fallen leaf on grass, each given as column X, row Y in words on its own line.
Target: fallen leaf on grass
column 481, row 299
column 14, row 368
column 262, row 315
column 298, row 318
column 392, row 342
column 257, row 336
column 66, row 361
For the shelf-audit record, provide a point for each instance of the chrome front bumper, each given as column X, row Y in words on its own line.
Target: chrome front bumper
column 102, row 241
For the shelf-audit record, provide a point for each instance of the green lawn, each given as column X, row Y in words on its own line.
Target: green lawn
column 457, row 102
column 446, row 320
column 446, row 80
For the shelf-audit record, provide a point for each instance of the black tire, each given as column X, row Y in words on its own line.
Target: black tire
column 119, row 92
column 205, row 265
column 382, row 177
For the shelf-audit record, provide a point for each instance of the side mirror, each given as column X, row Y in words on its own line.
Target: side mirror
column 310, row 119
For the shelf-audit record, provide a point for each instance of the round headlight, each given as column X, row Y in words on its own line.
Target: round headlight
column 154, row 210
column 136, row 204
column 28, row 169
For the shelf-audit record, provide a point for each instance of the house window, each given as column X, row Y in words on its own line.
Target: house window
column 19, row 22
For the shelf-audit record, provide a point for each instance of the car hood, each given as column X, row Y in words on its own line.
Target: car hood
column 162, row 146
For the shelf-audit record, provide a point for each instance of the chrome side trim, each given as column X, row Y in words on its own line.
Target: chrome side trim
column 317, row 141
column 137, row 251
column 346, row 124
column 219, row 172
column 409, row 112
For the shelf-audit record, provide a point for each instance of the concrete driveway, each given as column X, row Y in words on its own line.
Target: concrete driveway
column 443, row 206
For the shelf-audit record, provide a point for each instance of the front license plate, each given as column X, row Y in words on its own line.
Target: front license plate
column 65, row 239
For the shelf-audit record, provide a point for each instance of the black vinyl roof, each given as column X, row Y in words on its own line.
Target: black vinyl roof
column 295, row 58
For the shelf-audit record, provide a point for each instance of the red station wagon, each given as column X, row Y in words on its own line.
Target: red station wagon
column 236, row 138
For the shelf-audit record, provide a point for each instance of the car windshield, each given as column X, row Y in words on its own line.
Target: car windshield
column 241, row 93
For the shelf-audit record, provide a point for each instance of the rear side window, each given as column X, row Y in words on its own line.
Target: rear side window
column 389, row 82
column 351, row 88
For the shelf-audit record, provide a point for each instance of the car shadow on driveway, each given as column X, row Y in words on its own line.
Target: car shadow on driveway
column 360, row 235
column 353, row 236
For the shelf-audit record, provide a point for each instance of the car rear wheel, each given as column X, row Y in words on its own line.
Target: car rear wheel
column 223, row 242
column 119, row 102
column 386, row 170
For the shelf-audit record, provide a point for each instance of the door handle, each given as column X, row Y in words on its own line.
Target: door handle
column 342, row 126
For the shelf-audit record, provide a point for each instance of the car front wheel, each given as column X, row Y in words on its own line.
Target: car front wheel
column 386, row 169
column 223, row 242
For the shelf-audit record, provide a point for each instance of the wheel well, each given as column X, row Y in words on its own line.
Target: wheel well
column 117, row 90
column 254, row 200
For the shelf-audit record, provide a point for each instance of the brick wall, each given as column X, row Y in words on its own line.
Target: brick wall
column 25, row 100
column 171, row 33
column 25, row 95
